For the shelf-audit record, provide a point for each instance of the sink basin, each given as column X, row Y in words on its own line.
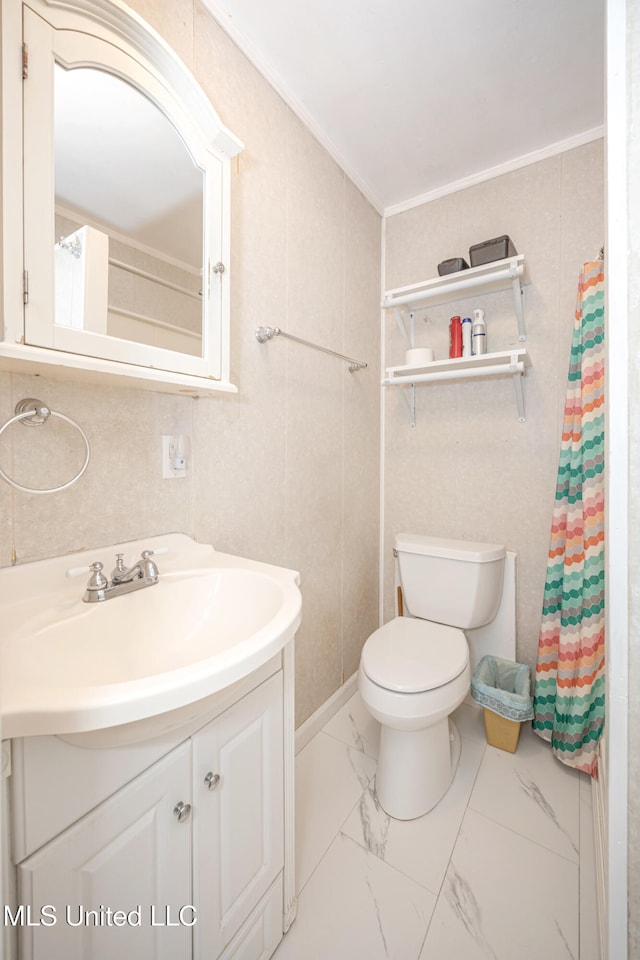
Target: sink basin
column 72, row 667
column 188, row 619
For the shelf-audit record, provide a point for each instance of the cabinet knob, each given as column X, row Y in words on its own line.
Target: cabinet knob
column 182, row 811
column 212, row 780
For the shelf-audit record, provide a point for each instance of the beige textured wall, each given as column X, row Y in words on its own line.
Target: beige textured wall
column 469, row 469
column 286, row 471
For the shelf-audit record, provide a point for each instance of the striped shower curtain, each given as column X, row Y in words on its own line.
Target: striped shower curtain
column 570, row 678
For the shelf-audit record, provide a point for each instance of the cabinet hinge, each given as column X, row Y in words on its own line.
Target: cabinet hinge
column 25, row 61
column 25, row 286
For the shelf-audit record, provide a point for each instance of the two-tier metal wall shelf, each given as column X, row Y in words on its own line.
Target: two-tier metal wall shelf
column 488, row 278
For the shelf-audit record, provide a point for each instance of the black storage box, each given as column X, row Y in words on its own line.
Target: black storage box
column 497, row 249
column 452, row 266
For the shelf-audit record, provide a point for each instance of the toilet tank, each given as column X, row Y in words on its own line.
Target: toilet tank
column 456, row 582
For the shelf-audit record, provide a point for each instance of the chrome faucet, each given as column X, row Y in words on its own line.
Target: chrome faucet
column 143, row 573
column 144, row 567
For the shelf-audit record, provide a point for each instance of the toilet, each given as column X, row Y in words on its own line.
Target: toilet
column 416, row 669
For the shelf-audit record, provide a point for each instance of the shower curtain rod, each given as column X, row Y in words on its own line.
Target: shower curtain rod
column 268, row 333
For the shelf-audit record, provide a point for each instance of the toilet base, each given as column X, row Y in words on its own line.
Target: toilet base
column 415, row 768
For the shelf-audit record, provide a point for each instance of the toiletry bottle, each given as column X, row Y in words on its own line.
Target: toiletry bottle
column 455, row 337
column 466, row 337
column 478, row 334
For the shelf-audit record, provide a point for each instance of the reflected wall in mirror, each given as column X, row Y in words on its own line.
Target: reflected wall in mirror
column 128, row 243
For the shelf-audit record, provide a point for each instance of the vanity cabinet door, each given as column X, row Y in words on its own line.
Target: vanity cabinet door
column 238, row 822
column 132, row 854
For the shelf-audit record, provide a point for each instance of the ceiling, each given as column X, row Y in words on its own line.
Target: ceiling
column 415, row 98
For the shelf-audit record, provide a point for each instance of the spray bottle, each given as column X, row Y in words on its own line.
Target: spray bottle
column 478, row 334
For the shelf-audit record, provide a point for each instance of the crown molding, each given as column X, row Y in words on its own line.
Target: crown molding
column 560, row 146
column 251, row 52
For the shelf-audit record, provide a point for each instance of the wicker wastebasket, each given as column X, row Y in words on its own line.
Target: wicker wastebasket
column 501, row 732
column 503, row 689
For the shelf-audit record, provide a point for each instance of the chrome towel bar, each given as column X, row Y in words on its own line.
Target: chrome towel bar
column 268, row 333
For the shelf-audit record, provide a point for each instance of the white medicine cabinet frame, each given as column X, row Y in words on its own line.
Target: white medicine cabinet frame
column 491, row 277
column 38, row 37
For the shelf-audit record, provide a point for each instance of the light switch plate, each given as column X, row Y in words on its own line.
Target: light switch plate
column 174, row 464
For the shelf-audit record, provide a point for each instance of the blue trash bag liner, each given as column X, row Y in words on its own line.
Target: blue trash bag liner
column 503, row 687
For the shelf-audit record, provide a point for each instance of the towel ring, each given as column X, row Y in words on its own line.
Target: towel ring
column 33, row 413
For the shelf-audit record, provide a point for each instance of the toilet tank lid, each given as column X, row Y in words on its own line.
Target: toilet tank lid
column 468, row 550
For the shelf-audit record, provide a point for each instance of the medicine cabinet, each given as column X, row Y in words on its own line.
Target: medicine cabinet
column 116, row 198
column 488, row 278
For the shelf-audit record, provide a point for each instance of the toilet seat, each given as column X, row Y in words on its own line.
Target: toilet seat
column 409, row 655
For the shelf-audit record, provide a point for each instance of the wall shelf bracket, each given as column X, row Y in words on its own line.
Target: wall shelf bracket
column 407, row 335
column 519, row 388
column 518, row 306
column 409, row 399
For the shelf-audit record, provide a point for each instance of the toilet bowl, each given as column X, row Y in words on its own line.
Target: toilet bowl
column 415, row 670
column 413, row 674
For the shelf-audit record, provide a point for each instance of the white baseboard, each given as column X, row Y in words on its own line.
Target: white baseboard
column 323, row 714
column 599, row 793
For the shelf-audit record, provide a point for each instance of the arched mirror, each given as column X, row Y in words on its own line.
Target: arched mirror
column 128, row 215
column 126, row 197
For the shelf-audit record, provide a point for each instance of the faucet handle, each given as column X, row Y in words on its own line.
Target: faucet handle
column 149, row 569
column 154, row 553
column 97, row 580
column 87, row 568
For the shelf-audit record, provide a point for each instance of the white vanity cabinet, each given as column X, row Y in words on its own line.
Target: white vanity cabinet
column 129, row 854
column 191, row 850
column 238, row 824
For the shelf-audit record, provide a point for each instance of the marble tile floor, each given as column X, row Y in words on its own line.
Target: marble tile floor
column 502, row 868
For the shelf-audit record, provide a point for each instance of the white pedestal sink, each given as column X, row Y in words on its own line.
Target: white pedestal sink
column 68, row 667
column 148, row 754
